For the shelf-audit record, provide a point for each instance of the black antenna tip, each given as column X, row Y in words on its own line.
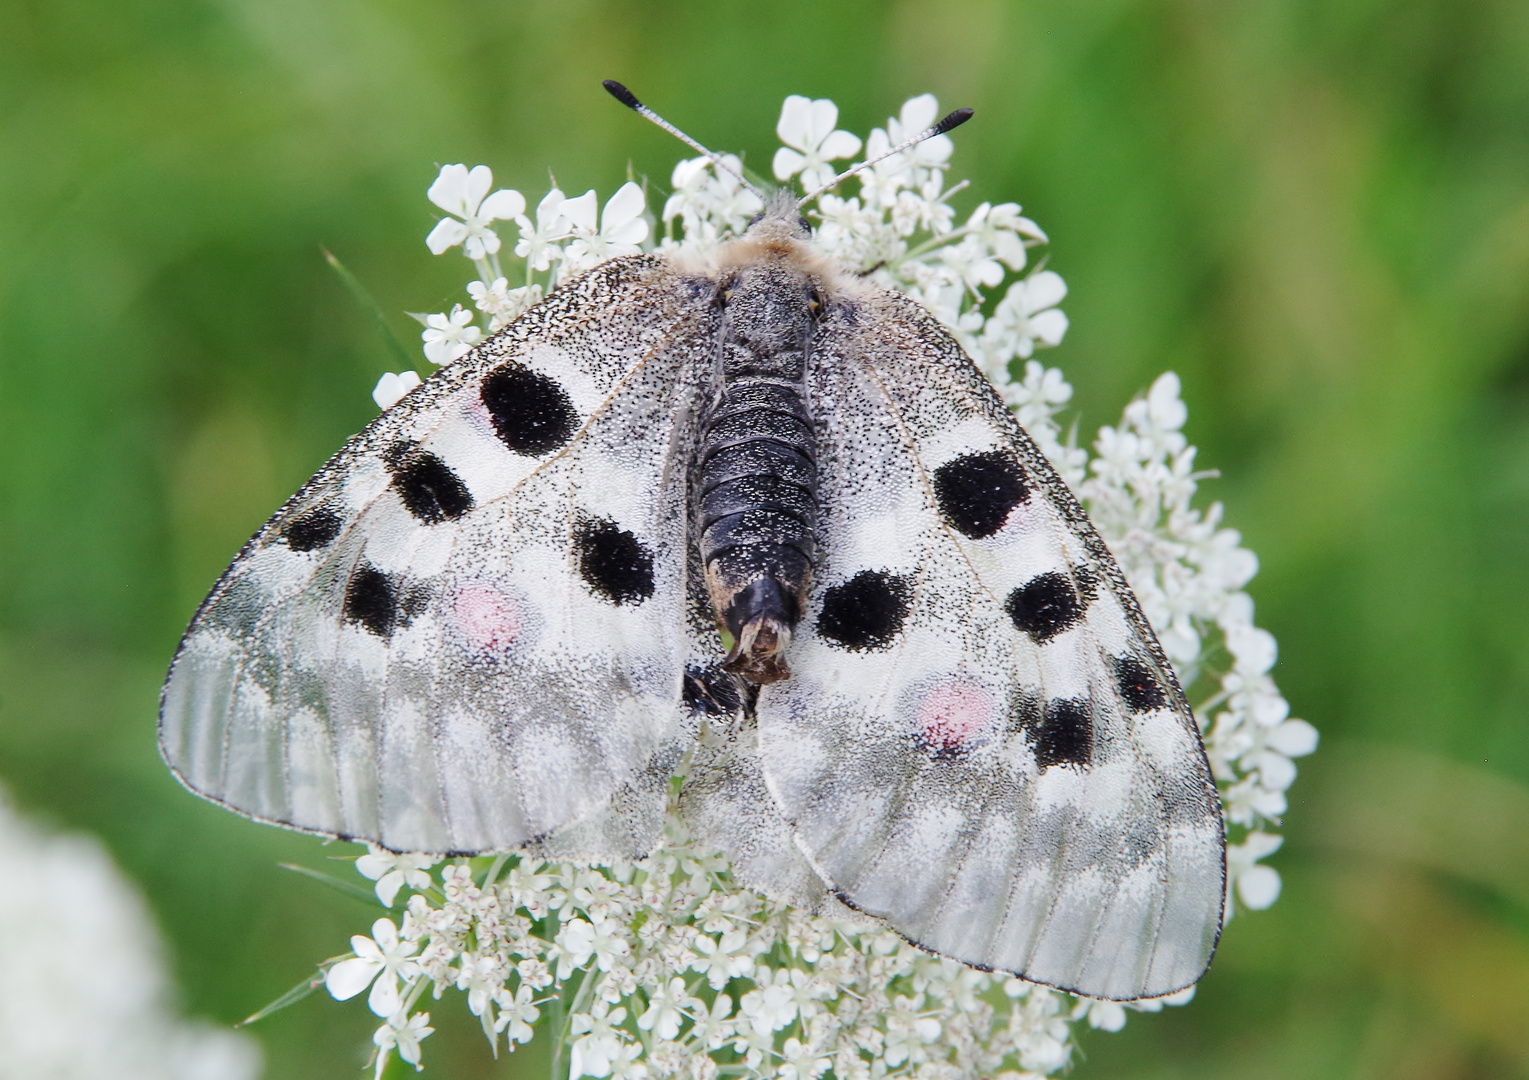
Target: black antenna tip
column 954, row 120
column 629, row 99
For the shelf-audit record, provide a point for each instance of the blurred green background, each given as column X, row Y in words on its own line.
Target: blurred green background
column 1317, row 211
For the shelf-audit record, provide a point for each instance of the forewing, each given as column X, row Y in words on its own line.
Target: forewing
column 467, row 632
column 982, row 742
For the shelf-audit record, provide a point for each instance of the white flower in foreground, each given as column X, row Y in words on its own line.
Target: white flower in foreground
column 392, row 872
column 87, row 991
column 807, row 128
column 390, row 389
column 449, row 337
column 404, row 1035
column 381, row 962
column 621, row 227
column 461, row 192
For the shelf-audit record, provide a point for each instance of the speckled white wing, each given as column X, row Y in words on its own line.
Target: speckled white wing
column 982, row 743
column 468, row 631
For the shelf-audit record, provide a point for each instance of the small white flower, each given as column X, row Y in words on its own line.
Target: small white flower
column 389, row 391
column 715, row 1026
column 502, row 304
column 517, row 1013
column 801, row 1062
column 666, row 1008
column 621, row 227
column 449, row 337
column 392, row 872
column 1002, row 230
column 807, row 129
column 769, row 1009
column 461, row 192
column 403, row 1034
column 722, row 959
column 597, row 1040
column 538, row 243
column 1026, row 318
column 381, row 961
column 581, row 940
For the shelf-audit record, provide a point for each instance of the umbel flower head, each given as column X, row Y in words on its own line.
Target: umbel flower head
column 667, row 967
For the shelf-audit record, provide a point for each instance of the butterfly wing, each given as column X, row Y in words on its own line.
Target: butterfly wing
column 982, row 743
column 468, row 631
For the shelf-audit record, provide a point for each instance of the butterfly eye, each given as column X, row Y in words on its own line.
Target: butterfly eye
column 814, row 299
column 805, row 224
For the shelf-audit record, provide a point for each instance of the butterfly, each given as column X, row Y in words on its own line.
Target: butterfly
column 754, row 522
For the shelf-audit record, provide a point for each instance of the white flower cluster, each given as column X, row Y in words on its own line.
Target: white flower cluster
column 666, row 968
column 87, row 991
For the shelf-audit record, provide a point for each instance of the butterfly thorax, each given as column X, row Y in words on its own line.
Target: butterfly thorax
column 754, row 492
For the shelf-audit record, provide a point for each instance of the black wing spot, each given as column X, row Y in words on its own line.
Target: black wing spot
column 614, row 563
column 867, row 611
column 711, row 691
column 313, row 530
column 1044, row 606
column 1066, row 735
column 1138, row 686
column 371, row 599
column 977, row 492
column 429, row 489
column 532, row 414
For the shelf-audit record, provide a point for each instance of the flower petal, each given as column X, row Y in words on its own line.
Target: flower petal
column 479, row 180
column 918, row 113
column 581, row 211
column 384, row 999
column 1049, row 327
column 389, row 391
column 449, row 191
column 1258, row 886
column 839, row 144
column 505, row 204
column 787, row 163
column 448, row 233
column 1044, row 289
column 792, row 126
column 349, row 977
column 627, row 204
column 822, row 118
column 387, row 887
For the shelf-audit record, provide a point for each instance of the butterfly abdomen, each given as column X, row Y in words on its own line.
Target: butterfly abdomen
column 755, row 494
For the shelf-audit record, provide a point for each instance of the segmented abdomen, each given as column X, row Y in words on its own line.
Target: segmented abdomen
column 758, row 485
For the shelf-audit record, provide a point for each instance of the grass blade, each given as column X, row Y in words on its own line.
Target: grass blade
column 394, row 343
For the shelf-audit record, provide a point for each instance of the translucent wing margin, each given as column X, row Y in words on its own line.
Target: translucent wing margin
column 983, row 744
column 468, row 631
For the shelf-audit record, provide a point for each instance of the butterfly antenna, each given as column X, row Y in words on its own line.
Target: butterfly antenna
column 629, row 99
column 953, row 120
